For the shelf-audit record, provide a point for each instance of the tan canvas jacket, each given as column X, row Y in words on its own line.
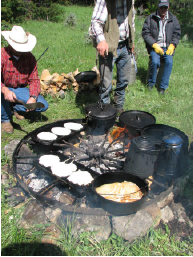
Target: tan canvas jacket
column 111, row 29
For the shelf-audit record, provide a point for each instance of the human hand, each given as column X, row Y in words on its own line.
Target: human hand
column 8, row 94
column 132, row 49
column 158, row 49
column 103, row 48
column 31, row 100
column 170, row 49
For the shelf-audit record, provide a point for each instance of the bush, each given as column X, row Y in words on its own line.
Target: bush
column 70, row 20
column 49, row 13
column 13, row 11
column 5, row 26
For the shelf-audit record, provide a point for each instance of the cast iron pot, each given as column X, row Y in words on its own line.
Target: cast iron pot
column 85, row 76
column 141, row 157
column 136, row 120
column 100, row 117
column 116, row 208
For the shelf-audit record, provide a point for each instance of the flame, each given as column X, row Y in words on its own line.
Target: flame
column 119, row 133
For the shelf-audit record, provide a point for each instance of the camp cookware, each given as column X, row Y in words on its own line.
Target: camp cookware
column 31, row 106
column 170, row 162
column 117, row 208
column 100, row 116
column 85, row 76
column 158, row 131
column 141, row 157
column 136, row 120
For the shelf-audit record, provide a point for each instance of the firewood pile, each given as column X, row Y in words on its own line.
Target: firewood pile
column 58, row 84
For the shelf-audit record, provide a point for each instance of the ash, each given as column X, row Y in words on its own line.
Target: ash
column 98, row 154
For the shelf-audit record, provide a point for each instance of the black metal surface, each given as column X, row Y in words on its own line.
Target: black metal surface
column 116, row 208
column 158, row 131
column 100, row 117
column 85, row 76
column 141, row 157
column 80, row 190
column 136, row 120
column 27, row 151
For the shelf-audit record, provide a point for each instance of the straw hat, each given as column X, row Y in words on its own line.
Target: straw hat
column 19, row 39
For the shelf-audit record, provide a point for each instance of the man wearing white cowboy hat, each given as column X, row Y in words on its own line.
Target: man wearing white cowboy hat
column 18, row 70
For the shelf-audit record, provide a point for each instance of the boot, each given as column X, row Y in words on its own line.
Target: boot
column 7, row 127
column 19, row 117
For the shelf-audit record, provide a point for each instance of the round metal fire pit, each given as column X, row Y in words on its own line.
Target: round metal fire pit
column 99, row 154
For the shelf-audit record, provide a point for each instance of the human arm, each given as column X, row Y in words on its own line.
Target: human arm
column 8, row 94
column 33, row 79
column 175, row 37
column 97, row 24
column 176, row 32
column 146, row 33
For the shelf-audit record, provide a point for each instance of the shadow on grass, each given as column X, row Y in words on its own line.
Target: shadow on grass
column 142, row 75
column 85, row 98
column 32, row 249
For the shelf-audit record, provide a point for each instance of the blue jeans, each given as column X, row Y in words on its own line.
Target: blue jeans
column 21, row 94
column 123, row 64
column 155, row 64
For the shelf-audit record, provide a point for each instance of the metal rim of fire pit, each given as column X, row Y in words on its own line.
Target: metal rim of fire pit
column 44, row 199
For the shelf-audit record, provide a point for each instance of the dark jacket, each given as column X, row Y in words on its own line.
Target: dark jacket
column 150, row 30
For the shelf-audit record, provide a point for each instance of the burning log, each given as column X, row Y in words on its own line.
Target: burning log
column 55, row 83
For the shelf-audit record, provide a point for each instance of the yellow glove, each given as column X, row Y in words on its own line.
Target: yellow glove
column 158, row 49
column 170, row 49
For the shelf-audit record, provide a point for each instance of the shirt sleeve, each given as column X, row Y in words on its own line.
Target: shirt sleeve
column 2, row 65
column 33, row 79
column 99, row 18
column 133, row 16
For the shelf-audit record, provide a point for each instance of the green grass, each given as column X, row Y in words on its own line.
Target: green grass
column 68, row 51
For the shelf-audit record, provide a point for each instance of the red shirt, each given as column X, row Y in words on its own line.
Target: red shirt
column 19, row 73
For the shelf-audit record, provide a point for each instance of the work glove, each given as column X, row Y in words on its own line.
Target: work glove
column 158, row 49
column 170, row 49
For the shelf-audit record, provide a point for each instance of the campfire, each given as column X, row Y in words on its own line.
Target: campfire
column 97, row 154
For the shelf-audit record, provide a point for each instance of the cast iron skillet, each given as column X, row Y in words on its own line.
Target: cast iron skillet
column 117, row 208
column 85, row 76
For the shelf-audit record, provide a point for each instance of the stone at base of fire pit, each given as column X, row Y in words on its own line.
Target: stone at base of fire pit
column 99, row 224
column 132, row 226
column 34, row 214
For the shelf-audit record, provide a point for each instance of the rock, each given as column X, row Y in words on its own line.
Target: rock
column 9, row 149
column 100, row 224
column 132, row 226
column 167, row 214
column 4, row 179
column 61, row 94
column 155, row 212
column 168, row 199
column 34, row 214
column 51, row 235
column 53, row 214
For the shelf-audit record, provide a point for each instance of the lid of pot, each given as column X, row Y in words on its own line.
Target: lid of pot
column 143, row 143
column 101, row 111
column 136, row 119
column 172, row 139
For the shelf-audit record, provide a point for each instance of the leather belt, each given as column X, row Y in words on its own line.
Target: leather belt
column 122, row 43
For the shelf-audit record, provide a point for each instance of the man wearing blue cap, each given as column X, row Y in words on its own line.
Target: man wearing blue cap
column 161, row 33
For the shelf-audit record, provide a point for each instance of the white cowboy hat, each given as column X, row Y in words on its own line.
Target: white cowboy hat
column 19, row 39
